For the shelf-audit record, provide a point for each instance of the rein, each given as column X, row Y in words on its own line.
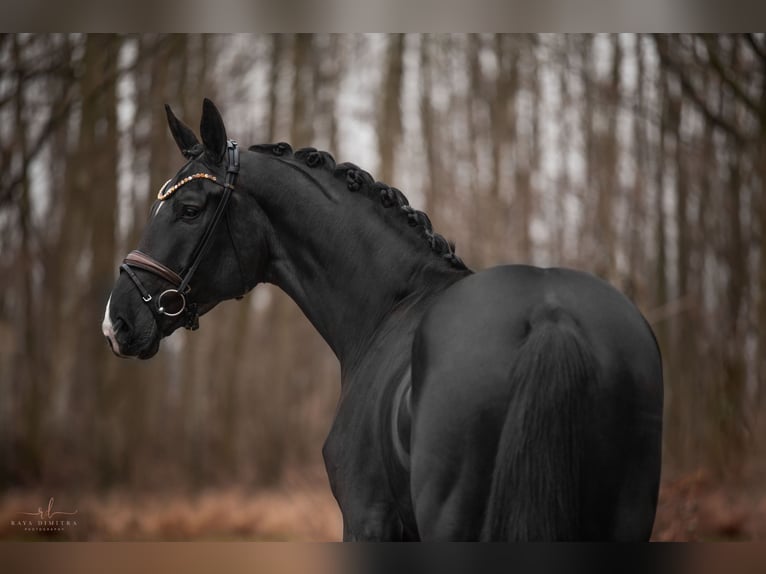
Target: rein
column 175, row 301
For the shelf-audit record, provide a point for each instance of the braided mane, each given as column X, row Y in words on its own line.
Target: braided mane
column 357, row 180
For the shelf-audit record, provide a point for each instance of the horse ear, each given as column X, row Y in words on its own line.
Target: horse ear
column 213, row 131
column 184, row 136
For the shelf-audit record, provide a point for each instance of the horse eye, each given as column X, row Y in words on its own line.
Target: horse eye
column 190, row 211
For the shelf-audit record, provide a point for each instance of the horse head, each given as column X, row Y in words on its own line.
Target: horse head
column 194, row 252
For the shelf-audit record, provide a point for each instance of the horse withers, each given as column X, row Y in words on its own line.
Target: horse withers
column 515, row 403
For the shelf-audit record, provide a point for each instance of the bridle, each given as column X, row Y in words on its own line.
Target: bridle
column 175, row 301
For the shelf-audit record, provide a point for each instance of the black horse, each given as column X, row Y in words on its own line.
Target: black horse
column 516, row 403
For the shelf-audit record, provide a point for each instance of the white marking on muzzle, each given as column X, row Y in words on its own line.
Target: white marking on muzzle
column 108, row 329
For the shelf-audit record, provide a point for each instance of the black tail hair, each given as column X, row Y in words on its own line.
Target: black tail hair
column 536, row 487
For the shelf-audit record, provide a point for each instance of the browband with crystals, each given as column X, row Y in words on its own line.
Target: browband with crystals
column 165, row 193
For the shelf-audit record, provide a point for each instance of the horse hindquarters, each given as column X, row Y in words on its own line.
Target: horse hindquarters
column 536, row 491
column 537, row 411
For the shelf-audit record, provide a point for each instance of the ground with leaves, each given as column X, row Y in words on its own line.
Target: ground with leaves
column 693, row 506
column 699, row 506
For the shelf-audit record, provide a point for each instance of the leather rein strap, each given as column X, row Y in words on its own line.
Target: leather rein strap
column 181, row 285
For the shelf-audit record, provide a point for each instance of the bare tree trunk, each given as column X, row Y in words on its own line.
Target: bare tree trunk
column 760, row 163
column 526, row 152
column 761, row 170
column 608, row 189
column 277, row 51
column 559, row 252
column 302, row 130
column 678, row 334
column 502, row 111
column 731, row 407
column 328, row 64
column 428, row 125
column 673, row 402
column 32, row 419
column 728, row 392
column 159, row 143
column 589, row 247
column 475, row 108
column 637, row 282
column 389, row 128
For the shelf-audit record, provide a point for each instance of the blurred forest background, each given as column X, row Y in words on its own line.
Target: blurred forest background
column 639, row 158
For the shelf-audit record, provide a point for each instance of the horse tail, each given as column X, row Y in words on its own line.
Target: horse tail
column 536, row 491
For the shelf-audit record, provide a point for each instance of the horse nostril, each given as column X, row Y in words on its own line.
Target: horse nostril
column 109, row 340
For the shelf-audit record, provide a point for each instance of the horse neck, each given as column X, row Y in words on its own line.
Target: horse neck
column 345, row 266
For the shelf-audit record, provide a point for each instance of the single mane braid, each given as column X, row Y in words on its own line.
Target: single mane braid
column 357, row 180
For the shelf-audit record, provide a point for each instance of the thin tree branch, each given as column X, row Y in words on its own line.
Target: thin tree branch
column 60, row 113
column 687, row 87
column 759, row 50
column 727, row 78
column 56, row 69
